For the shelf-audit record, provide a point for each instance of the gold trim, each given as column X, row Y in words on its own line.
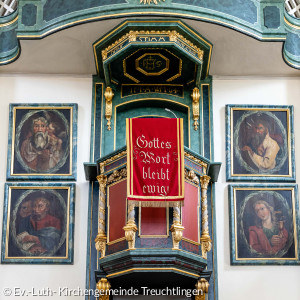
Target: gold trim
column 149, row 1
column 191, row 241
column 116, row 241
column 289, row 62
column 164, row 49
column 292, row 189
column 152, row 269
column 196, row 160
column 287, row 110
column 138, row 68
column 114, row 158
column 68, row 188
column 290, row 24
column 147, row 99
column 10, row 22
column 8, row 60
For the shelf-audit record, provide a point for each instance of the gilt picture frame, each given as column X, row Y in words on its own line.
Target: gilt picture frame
column 260, row 143
column 38, row 223
column 42, row 142
column 264, row 224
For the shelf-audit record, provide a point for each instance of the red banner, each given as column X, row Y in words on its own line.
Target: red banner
column 155, row 160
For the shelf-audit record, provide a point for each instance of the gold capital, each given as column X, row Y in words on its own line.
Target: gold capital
column 204, row 181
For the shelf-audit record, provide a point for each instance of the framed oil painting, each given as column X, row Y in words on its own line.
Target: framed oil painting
column 260, row 143
column 38, row 223
column 42, row 142
column 264, row 224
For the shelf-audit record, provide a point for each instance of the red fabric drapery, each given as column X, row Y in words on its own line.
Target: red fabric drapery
column 155, row 161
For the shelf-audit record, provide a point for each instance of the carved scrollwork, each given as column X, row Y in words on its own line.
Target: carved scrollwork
column 117, row 175
column 191, row 176
column 196, row 160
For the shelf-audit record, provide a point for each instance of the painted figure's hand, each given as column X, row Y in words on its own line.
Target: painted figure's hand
column 30, row 239
column 247, row 148
column 276, row 240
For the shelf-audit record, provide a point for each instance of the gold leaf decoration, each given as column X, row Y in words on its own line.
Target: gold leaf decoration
column 150, row 1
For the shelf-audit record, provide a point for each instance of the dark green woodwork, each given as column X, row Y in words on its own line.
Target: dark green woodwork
column 154, row 57
column 9, row 44
column 174, row 268
column 261, row 19
column 243, row 9
column 243, row 15
column 150, row 99
column 29, row 13
column 57, row 8
column 291, row 49
column 272, row 17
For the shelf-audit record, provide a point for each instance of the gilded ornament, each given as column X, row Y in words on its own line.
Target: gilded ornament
column 132, row 36
column 100, row 240
column 103, row 287
column 150, row 1
column 117, row 175
column 196, row 160
column 205, row 238
column 196, row 111
column 130, row 228
column 191, row 176
column 113, row 158
column 100, row 243
column 202, row 286
column 176, row 228
column 108, row 106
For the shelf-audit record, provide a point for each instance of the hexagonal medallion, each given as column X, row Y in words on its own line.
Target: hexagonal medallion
column 152, row 64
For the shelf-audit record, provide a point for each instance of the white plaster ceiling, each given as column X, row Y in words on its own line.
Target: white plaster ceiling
column 70, row 52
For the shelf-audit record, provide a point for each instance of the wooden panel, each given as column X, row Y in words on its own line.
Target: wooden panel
column 116, row 202
column 153, row 221
column 190, row 213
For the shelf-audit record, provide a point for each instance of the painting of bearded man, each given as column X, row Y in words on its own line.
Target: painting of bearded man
column 262, row 149
column 43, row 141
column 37, row 150
column 260, row 144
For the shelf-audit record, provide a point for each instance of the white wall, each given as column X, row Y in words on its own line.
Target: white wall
column 251, row 282
column 45, row 89
column 235, row 282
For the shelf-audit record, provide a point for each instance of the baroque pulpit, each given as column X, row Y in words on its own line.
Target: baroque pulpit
column 151, row 70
